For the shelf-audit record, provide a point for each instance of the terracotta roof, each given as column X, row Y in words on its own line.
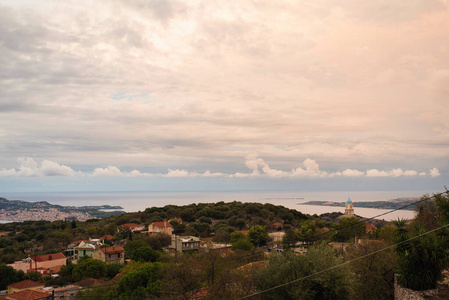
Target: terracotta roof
column 112, row 249
column 25, row 284
column 29, row 295
column 162, row 224
column 277, row 224
column 370, row 227
column 78, row 242
column 92, row 282
column 107, row 237
column 47, row 257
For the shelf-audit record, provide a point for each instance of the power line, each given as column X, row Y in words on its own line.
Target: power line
column 345, row 263
column 363, row 220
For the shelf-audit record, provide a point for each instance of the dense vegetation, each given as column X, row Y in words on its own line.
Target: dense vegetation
column 331, row 240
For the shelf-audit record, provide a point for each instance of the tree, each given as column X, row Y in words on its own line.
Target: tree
column 348, row 228
column 132, row 246
column 375, row 271
column 89, row 268
column 421, row 260
column 142, row 283
column 8, row 276
column 145, row 254
column 113, row 269
column 258, row 235
column 307, row 231
column 243, row 244
column 182, row 277
column 302, row 278
column 290, row 238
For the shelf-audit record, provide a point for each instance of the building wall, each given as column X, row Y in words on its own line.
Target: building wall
column 50, row 263
column 20, row 265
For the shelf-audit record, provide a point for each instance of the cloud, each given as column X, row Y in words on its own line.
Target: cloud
column 226, row 85
column 434, row 172
column 352, row 173
column 112, row 171
column 109, row 171
column 28, row 167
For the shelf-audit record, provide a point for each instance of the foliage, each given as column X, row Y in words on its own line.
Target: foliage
column 243, row 244
column 89, row 268
column 375, row 271
column 347, row 229
column 8, row 276
column 142, row 283
column 258, row 235
column 182, row 277
column 290, row 238
column 307, row 231
column 93, row 293
column 113, row 269
column 421, row 259
column 145, row 254
column 302, row 272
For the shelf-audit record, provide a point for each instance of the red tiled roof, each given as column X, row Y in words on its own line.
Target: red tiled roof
column 78, row 242
column 112, row 249
column 25, row 284
column 162, row 224
column 370, row 227
column 29, row 295
column 92, row 282
column 47, row 257
column 277, row 224
column 107, row 237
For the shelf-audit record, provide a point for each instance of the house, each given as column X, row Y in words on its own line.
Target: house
column 184, row 243
column 28, row 295
column 133, row 227
column 110, row 254
column 44, row 264
column 370, row 228
column 276, row 226
column 48, row 262
column 160, row 227
column 277, row 237
column 24, row 285
column 83, row 249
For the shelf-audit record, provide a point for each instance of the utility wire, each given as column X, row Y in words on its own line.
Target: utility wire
column 345, row 263
column 363, row 220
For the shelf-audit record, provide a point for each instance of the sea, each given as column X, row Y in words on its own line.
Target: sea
column 139, row 201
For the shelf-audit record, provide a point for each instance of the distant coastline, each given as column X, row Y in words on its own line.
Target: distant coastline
column 398, row 203
column 19, row 210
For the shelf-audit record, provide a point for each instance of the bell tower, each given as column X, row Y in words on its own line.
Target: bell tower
column 349, row 209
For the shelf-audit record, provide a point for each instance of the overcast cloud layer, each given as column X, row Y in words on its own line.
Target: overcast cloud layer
column 232, row 89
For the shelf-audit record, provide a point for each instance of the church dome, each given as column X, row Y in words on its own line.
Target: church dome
column 349, row 200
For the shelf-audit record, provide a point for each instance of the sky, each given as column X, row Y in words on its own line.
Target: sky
column 143, row 95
